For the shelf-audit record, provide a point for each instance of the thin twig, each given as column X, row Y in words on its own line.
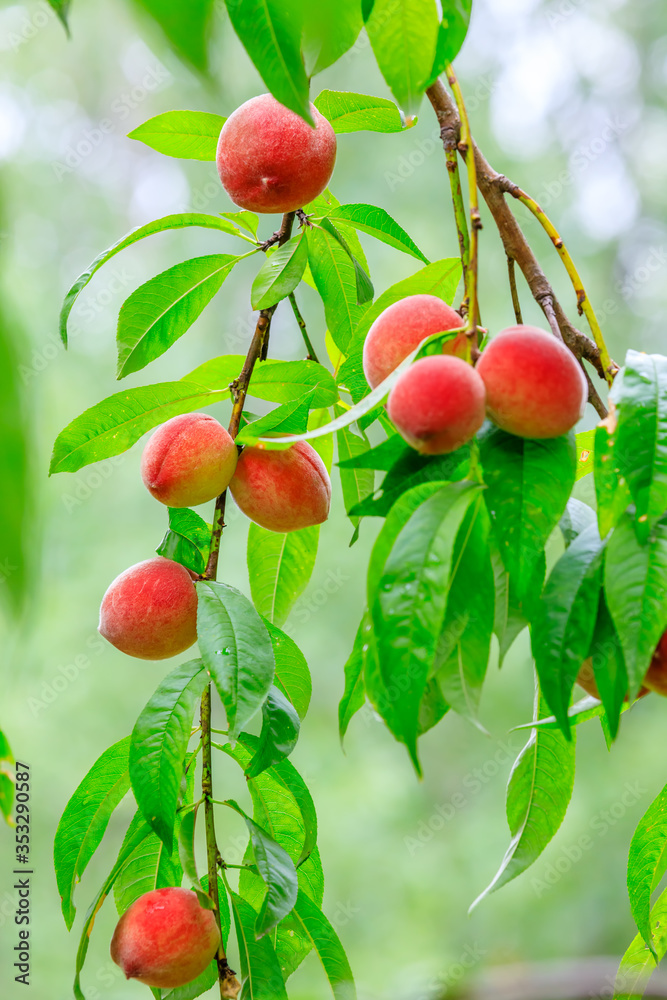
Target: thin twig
column 312, row 356
column 514, row 241
column 511, row 269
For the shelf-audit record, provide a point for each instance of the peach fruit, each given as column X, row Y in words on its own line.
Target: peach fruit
column 189, row 460
column 401, row 327
column 282, row 490
column 165, row 938
column 150, row 610
column 534, row 386
column 586, row 680
column 270, row 160
column 437, row 404
column 656, row 676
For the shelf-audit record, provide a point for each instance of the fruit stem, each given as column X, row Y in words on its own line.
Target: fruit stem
column 511, row 270
column 312, row 356
column 465, row 147
column 584, row 306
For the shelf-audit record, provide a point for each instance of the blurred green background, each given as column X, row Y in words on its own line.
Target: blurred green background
column 566, row 97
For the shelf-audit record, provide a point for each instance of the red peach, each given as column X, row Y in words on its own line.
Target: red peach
column 534, row 386
column 401, row 327
column 437, row 404
column 282, row 490
column 656, row 677
column 271, row 160
column 150, row 610
column 165, row 938
column 189, row 460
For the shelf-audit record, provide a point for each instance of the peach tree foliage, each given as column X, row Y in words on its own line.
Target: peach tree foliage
column 460, row 556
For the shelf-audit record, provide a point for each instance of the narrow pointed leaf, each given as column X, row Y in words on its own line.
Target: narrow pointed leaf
column 638, row 964
column 292, row 673
column 355, row 691
column 327, row 944
column 349, row 112
column 403, row 34
column 150, row 866
column 162, row 309
column 609, row 671
column 85, row 819
column 451, row 34
column 274, row 380
column 335, row 278
column 647, row 863
column 378, row 223
column 262, row 978
column 188, row 135
column 279, row 735
column 159, row 744
column 331, row 28
column 188, row 539
column 538, row 794
column 236, row 651
column 280, row 273
column 177, row 221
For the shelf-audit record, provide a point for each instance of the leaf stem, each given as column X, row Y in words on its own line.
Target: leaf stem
column 511, row 270
column 465, row 147
column 312, row 356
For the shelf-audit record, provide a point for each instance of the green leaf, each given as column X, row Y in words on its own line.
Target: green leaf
column 279, row 735
column 355, row 691
column 577, row 517
column 280, row 273
column 282, row 805
column 638, row 964
column 150, row 866
column 262, row 978
column 142, row 830
column 324, row 939
column 647, row 863
column 277, row 870
column 348, row 239
column 236, row 651
column 336, row 281
column 528, row 485
column 186, row 27
column 273, row 380
column 635, row 581
column 160, row 311
column 85, row 819
column 451, row 34
column 609, row 670
column 331, row 28
column 292, row 673
column 585, row 452
column 640, row 447
column 114, row 425
column 538, row 794
column 357, row 484
column 513, row 614
column 159, row 744
column 187, row 540
column 61, row 8
column 245, row 220
column 270, row 32
column 407, row 606
column 563, row 626
column 465, row 639
column 187, row 854
column 611, row 490
column 358, row 112
column 279, row 567
column 17, row 549
column 433, row 706
column 403, row 34
column 378, row 223
column 383, row 456
column 410, row 470
column 179, row 221
column 188, row 135
column 288, row 419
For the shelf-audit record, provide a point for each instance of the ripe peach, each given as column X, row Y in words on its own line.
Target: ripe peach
column 188, row 460
column 437, row 404
column 150, row 610
column 534, row 386
column 165, row 938
column 401, row 327
column 271, row 160
column 656, row 677
column 282, row 490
